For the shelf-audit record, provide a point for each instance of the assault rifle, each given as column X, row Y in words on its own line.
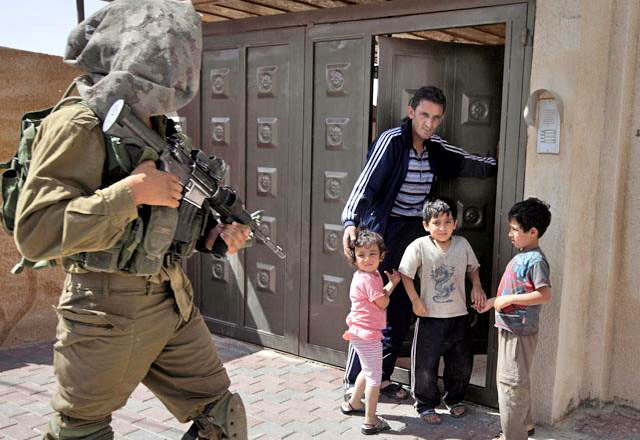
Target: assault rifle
column 201, row 177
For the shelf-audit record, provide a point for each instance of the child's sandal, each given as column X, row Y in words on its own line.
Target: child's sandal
column 381, row 426
column 431, row 417
column 458, row 410
column 349, row 410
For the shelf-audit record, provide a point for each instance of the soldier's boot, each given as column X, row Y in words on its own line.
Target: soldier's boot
column 223, row 419
column 67, row 428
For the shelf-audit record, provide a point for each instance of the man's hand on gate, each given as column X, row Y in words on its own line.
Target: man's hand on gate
column 349, row 234
column 150, row 186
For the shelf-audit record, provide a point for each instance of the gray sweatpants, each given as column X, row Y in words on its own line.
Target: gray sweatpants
column 515, row 356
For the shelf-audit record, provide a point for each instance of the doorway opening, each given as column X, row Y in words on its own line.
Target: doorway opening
column 467, row 63
column 482, row 35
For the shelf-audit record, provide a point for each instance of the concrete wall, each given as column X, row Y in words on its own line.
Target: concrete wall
column 587, row 53
column 619, row 376
column 29, row 81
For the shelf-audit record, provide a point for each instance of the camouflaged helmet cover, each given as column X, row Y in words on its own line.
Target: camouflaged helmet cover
column 146, row 52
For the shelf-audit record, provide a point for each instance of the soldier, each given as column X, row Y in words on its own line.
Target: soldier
column 99, row 204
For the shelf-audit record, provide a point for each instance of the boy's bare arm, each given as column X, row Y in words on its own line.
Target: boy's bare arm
column 416, row 303
column 540, row 296
column 410, row 288
column 488, row 305
column 478, row 296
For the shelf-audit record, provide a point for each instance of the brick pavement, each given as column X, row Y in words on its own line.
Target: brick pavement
column 286, row 398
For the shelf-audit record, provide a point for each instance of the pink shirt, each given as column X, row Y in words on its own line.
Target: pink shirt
column 366, row 320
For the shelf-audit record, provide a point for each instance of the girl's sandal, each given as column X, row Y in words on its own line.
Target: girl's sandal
column 349, row 410
column 381, row 426
column 431, row 417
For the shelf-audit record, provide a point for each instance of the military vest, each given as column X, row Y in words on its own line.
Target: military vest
column 147, row 243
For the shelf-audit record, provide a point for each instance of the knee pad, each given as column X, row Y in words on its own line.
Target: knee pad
column 223, row 419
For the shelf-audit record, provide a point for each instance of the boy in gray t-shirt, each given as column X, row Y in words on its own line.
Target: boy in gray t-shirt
column 442, row 261
column 524, row 287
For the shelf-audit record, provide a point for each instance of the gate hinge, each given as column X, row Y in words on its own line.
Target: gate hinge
column 525, row 37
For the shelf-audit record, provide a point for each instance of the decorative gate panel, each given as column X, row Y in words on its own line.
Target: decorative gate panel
column 221, row 125
column 252, row 118
column 341, row 88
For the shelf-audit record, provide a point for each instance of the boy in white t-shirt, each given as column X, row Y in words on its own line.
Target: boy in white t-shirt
column 442, row 261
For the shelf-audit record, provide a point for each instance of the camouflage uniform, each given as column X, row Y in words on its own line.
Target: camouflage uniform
column 117, row 329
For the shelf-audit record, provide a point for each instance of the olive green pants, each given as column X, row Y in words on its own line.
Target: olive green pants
column 113, row 335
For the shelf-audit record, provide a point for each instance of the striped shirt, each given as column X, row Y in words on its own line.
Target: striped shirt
column 415, row 188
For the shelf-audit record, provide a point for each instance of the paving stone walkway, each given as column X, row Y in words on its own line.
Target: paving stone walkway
column 286, row 397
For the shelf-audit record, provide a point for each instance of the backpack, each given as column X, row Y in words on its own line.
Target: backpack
column 17, row 168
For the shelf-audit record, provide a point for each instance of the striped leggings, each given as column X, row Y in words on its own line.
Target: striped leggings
column 370, row 354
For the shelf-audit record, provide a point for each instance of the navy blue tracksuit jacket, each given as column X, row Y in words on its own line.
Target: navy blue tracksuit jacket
column 376, row 189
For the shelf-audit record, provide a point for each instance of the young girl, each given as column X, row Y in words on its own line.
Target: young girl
column 369, row 299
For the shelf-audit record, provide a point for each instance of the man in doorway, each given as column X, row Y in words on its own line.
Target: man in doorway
column 98, row 203
column 403, row 167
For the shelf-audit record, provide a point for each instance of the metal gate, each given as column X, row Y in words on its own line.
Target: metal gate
column 290, row 110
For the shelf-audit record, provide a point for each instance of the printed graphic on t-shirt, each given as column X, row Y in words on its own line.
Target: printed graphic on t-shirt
column 442, row 277
column 442, row 274
column 526, row 272
column 515, row 280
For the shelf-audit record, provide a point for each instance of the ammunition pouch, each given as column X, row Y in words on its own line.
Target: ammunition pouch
column 148, row 257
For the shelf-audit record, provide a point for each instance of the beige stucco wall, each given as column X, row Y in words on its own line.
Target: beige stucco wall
column 29, row 81
column 621, row 378
column 587, row 52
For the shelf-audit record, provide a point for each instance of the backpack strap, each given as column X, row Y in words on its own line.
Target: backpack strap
column 66, row 101
column 70, row 87
column 19, row 162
